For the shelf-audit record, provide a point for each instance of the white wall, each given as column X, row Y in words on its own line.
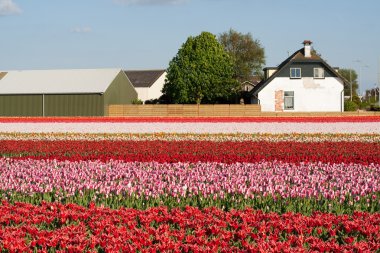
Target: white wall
column 155, row 89
column 152, row 92
column 142, row 93
column 310, row 95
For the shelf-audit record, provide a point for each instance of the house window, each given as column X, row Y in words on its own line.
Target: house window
column 319, row 73
column 288, row 100
column 295, row 72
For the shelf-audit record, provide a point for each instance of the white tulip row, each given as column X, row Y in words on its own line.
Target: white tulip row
column 193, row 127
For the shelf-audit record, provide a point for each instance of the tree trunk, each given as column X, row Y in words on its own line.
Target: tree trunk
column 199, row 98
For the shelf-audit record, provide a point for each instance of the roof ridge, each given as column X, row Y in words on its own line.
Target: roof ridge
column 143, row 70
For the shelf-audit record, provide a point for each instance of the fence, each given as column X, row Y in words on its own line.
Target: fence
column 183, row 110
column 215, row 111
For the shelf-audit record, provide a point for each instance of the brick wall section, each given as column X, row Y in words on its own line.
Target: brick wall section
column 279, row 100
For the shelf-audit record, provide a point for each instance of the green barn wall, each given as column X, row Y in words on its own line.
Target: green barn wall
column 21, row 105
column 74, row 105
column 121, row 91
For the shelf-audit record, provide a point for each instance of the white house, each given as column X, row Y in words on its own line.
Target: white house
column 304, row 82
column 148, row 83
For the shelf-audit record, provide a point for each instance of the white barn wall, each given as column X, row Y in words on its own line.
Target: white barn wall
column 310, row 95
column 155, row 91
column 152, row 92
column 142, row 93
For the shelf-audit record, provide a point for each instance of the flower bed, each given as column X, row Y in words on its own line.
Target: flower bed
column 193, row 127
column 302, row 119
column 74, row 228
column 275, row 186
column 183, row 191
column 194, row 151
column 236, row 137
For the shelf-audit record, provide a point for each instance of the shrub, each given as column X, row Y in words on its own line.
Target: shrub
column 365, row 105
column 350, row 106
column 152, row 101
column 374, row 107
column 137, row 101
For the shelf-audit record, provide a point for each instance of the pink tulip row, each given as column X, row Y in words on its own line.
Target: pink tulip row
column 193, row 127
column 332, row 181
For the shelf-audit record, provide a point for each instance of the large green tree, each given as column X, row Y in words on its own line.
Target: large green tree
column 248, row 54
column 351, row 77
column 201, row 72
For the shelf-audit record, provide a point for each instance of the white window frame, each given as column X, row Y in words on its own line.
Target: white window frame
column 289, row 96
column 317, row 72
column 295, row 77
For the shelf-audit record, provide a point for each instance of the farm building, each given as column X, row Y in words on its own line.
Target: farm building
column 148, row 83
column 79, row 92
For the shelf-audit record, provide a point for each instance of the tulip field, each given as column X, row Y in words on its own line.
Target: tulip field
column 286, row 184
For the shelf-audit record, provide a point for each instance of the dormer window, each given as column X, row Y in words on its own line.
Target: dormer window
column 295, row 73
column 319, row 73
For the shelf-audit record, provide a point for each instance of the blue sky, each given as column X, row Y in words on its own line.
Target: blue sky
column 146, row 34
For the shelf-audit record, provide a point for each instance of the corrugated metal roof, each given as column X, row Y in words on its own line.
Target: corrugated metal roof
column 63, row 81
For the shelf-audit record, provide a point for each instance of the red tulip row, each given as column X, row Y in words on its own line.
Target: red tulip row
column 56, row 227
column 194, row 151
column 195, row 119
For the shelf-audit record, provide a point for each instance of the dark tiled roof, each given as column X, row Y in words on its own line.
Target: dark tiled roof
column 143, row 78
column 253, row 80
column 298, row 56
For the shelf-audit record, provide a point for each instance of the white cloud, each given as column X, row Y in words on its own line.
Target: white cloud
column 81, row 30
column 8, row 7
column 150, row 2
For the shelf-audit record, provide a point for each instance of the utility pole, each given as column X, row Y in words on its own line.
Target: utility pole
column 361, row 66
column 378, row 81
column 360, row 76
column 375, row 89
column 350, row 84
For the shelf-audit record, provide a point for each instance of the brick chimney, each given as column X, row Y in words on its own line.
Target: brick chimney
column 307, row 48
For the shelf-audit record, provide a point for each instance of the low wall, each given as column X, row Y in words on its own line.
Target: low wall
column 183, row 110
column 233, row 110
